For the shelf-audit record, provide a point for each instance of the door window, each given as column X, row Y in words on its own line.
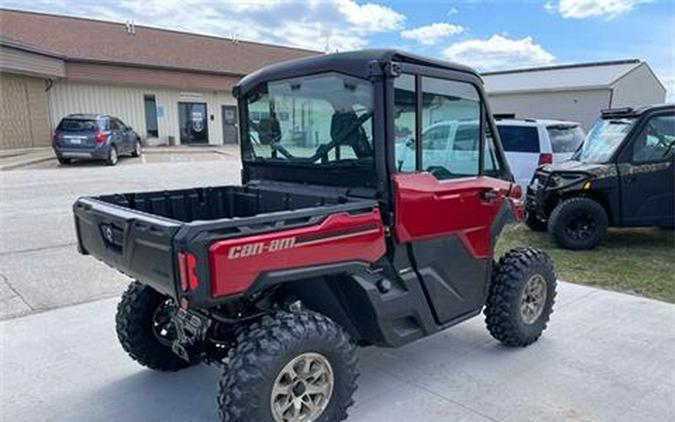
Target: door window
column 455, row 107
column 150, row 106
column 114, row 125
column 405, row 127
column 657, row 140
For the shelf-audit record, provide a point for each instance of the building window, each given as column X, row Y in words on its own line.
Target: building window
column 151, row 116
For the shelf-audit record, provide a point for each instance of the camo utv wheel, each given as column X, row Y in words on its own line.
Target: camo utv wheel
column 292, row 366
column 534, row 223
column 521, row 297
column 578, row 223
column 145, row 330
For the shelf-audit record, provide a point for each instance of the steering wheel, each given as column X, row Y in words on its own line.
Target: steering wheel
column 440, row 172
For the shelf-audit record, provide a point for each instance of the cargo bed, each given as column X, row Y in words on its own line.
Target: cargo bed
column 140, row 234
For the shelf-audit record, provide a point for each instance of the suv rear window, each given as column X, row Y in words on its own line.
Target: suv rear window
column 519, row 138
column 565, row 138
column 77, row 125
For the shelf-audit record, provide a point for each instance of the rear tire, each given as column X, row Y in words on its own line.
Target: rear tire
column 137, row 149
column 578, row 223
column 258, row 383
column 63, row 161
column 112, row 156
column 535, row 224
column 139, row 332
column 521, row 297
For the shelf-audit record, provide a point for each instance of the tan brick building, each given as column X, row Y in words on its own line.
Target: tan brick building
column 160, row 82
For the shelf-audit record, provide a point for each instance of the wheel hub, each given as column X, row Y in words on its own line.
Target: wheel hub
column 581, row 227
column 533, row 299
column 162, row 325
column 303, row 388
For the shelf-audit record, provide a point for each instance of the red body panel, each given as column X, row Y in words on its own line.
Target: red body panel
column 236, row 263
column 427, row 207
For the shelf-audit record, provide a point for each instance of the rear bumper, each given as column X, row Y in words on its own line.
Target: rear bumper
column 89, row 154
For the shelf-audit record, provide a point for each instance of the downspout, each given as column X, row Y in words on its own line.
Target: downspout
column 50, row 84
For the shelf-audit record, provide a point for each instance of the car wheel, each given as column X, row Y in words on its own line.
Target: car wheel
column 63, row 161
column 521, row 297
column 112, row 156
column 291, row 366
column 578, row 223
column 137, row 149
column 534, row 223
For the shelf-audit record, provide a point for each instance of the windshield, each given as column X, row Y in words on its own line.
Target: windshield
column 603, row 140
column 323, row 119
column 565, row 139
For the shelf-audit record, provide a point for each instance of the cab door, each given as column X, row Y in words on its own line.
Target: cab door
column 647, row 172
column 448, row 208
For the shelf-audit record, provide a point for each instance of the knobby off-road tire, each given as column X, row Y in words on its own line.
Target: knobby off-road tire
column 257, row 369
column 512, row 315
column 136, row 314
column 535, row 224
column 578, row 223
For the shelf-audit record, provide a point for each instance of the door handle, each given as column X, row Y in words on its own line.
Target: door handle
column 489, row 195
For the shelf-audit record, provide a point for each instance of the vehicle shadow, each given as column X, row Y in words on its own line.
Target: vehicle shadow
column 147, row 395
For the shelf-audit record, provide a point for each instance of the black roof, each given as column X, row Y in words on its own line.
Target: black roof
column 353, row 63
column 632, row 112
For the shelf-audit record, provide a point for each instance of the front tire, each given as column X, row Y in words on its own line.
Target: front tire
column 521, row 297
column 534, row 223
column 289, row 366
column 578, row 223
column 144, row 328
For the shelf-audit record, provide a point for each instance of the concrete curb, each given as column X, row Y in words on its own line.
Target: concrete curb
column 25, row 162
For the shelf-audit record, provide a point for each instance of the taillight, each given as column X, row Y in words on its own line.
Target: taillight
column 101, row 137
column 545, row 158
column 186, row 266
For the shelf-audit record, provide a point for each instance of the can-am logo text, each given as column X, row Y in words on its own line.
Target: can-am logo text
column 257, row 248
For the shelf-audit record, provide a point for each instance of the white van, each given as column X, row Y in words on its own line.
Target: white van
column 529, row 143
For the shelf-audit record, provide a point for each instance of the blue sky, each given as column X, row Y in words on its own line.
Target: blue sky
column 486, row 34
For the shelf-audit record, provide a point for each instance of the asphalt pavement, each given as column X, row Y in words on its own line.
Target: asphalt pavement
column 40, row 268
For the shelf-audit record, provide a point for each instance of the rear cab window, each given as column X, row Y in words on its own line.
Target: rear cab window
column 77, row 125
column 519, row 138
column 565, row 138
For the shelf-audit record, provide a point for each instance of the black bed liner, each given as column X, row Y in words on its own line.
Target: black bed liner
column 139, row 234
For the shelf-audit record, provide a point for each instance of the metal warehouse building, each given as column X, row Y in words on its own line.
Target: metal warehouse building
column 165, row 84
column 573, row 92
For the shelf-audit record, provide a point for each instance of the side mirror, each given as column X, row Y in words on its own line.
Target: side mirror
column 410, row 143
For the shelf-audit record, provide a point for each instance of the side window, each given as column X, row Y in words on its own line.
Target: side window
column 491, row 164
column 404, row 123
column 113, row 124
column 456, row 107
column 519, row 138
column 657, row 140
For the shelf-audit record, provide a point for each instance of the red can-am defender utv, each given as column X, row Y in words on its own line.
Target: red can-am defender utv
column 338, row 236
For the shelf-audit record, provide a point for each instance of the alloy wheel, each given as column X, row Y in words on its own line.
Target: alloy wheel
column 533, row 299
column 303, row 389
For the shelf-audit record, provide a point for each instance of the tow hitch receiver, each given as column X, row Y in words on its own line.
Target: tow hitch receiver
column 191, row 329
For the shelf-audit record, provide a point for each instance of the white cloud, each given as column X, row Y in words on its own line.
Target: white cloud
column 313, row 24
column 453, row 11
column 581, row 9
column 498, row 52
column 431, row 34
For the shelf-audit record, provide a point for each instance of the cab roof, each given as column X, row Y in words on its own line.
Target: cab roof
column 353, row 63
column 634, row 112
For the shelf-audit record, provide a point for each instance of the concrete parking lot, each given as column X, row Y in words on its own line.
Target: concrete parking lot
column 605, row 357
column 40, row 268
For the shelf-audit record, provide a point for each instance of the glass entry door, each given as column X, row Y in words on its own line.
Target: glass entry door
column 193, row 121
